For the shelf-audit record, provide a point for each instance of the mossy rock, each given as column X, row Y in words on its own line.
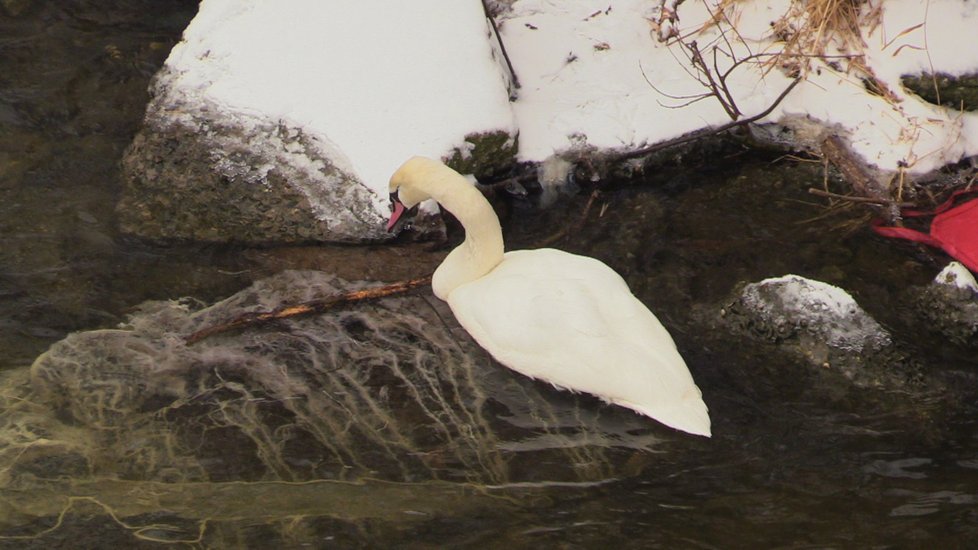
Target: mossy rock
column 954, row 92
column 484, row 154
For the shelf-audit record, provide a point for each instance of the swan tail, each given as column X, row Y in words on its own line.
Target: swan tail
column 689, row 414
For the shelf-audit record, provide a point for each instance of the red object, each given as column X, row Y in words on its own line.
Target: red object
column 954, row 229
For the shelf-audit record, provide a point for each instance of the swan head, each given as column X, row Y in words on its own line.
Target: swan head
column 405, row 190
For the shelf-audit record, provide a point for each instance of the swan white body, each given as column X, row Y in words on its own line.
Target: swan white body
column 566, row 319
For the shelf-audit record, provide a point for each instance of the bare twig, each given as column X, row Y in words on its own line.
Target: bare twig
column 502, row 47
column 690, row 99
column 711, row 131
column 256, row 318
column 718, row 90
column 710, row 76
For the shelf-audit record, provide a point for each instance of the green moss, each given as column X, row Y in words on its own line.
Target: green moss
column 953, row 92
column 484, row 153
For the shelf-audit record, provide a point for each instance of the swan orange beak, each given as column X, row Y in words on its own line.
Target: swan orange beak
column 396, row 214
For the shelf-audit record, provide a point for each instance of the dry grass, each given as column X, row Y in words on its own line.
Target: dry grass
column 830, row 30
column 821, row 27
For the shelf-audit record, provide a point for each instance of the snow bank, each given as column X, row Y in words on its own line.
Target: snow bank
column 593, row 72
column 587, row 71
column 341, row 93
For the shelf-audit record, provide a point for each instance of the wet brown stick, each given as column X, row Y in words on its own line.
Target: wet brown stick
column 256, row 318
column 502, row 47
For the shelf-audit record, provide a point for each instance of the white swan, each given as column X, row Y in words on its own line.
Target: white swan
column 566, row 319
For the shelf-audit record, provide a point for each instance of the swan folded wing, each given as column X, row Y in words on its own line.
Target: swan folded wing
column 571, row 321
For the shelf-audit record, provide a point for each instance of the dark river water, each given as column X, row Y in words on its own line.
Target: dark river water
column 800, row 457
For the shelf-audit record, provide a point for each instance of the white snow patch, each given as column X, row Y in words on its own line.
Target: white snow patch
column 555, row 171
column 582, row 75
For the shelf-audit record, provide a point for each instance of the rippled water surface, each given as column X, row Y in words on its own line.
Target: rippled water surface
column 283, row 437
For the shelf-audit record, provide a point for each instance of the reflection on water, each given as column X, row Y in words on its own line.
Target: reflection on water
column 382, row 424
column 385, row 391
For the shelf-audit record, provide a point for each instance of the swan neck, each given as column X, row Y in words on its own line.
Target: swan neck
column 482, row 249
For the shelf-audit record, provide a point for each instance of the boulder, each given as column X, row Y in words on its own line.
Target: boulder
column 392, row 390
column 949, row 305
column 270, row 126
column 824, row 325
column 794, row 306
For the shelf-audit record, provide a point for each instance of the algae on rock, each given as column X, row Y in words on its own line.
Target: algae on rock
column 954, row 92
column 484, row 153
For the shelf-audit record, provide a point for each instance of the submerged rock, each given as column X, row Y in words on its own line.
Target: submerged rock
column 386, row 390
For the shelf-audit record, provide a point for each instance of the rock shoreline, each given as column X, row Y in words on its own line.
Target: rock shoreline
column 209, row 168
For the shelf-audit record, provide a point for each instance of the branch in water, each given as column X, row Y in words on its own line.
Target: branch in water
column 256, row 318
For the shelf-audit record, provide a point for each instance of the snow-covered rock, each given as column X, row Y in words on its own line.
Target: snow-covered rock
column 809, row 322
column 282, row 121
column 821, row 325
column 955, row 274
column 792, row 305
column 949, row 305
